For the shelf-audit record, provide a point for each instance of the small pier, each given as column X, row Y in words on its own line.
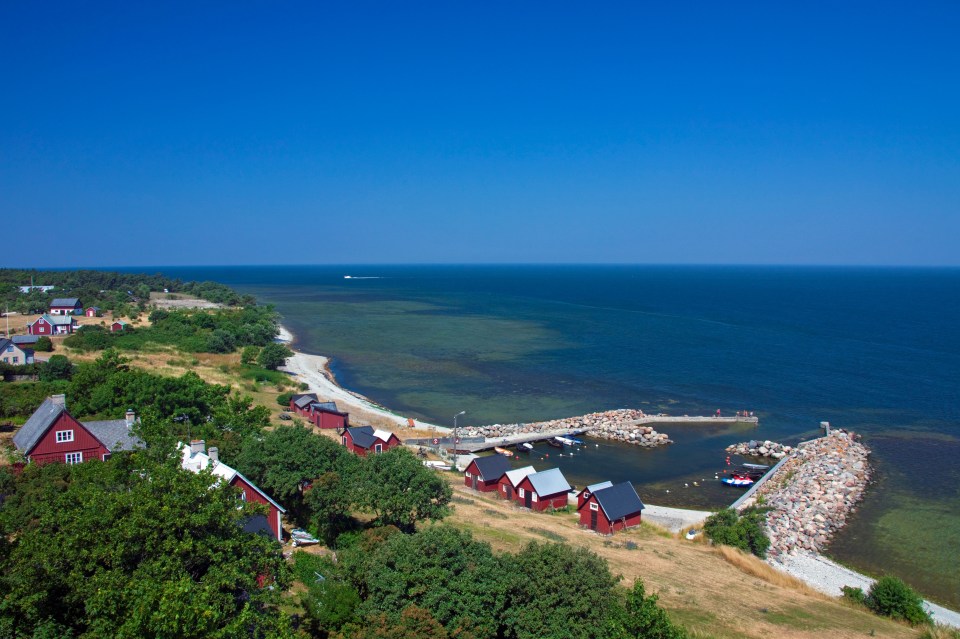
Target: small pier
column 688, row 419
column 521, row 438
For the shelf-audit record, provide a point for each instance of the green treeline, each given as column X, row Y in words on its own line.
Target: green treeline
column 192, row 331
column 120, row 292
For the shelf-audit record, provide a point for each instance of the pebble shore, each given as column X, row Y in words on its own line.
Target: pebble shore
column 813, row 492
column 618, row 425
column 754, row 448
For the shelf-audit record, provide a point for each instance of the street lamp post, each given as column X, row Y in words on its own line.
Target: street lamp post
column 456, row 440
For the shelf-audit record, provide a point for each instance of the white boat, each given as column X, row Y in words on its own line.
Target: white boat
column 438, row 465
column 566, row 441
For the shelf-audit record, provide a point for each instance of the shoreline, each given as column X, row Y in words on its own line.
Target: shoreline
column 814, row 569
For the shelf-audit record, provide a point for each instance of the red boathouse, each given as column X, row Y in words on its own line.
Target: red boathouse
column 484, row 473
column 540, row 491
column 611, row 509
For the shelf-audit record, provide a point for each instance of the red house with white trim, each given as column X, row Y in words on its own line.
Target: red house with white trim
column 52, row 435
column 610, row 509
column 364, row 439
column 584, row 494
column 196, row 458
column 92, row 311
column 484, row 473
column 52, row 325
column 543, row 490
column 507, row 486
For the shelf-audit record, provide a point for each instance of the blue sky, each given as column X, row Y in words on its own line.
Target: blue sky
column 266, row 133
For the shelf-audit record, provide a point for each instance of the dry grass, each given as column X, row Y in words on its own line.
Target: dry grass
column 711, row 592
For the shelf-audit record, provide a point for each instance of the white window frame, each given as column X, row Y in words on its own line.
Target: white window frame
column 64, row 436
column 378, row 448
column 73, row 458
column 520, row 493
column 533, row 497
column 594, row 507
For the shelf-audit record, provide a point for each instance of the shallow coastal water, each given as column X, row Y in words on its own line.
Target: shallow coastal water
column 871, row 350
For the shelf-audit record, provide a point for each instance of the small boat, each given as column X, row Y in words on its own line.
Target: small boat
column 693, row 532
column 740, row 481
column 576, row 442
column 525, row 447
column 553, row 441
column 437, row 465
column 566, row 441
column 300, row 537
column 502, row 451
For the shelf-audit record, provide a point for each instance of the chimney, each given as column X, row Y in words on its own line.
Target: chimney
column 59, row 399
column 131, row 417
column 214, row 453
column 197, row 446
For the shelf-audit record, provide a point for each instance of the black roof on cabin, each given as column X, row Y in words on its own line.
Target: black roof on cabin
column 492, row 467
column 328, row 407
column 302, row 401
column 619, row 501
column 65, row 301
column 362, row 436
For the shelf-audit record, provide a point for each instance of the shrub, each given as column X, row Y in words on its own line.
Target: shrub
column 743, row 531
column 44, row 345
column 273, row 355
column 249, row 355
column 284, row 399
column 58, row 367
column 855, row 595
column 891, row 597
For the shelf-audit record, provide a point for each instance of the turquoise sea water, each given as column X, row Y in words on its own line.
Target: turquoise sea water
column 876, row 351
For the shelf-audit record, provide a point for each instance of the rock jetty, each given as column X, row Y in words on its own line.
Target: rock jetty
column 813, row 492
column 620, row 425
column 755, row 448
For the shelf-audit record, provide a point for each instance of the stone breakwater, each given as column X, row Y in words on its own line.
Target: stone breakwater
column 754, row 448
column 813, row 492
column 619, row 425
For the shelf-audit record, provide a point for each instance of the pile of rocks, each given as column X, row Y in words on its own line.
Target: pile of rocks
column 755, row 448
column 619, row 425
column 814, row 491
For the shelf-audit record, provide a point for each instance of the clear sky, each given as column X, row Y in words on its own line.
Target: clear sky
column 172, row 133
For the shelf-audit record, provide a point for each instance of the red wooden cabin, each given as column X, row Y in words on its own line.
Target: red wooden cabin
column 540, row 491
column 611, row 509
column 364, row 439
column 507, row 486
column 584, row 494
column 484, row 473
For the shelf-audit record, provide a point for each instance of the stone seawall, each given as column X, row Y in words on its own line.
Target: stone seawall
column 756, row 448
column 813, row 492
column 619, row 425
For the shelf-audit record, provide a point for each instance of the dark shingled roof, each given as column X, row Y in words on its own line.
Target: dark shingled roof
column 114, row 434
column 329, row 407
column 492, row 467
column 31, row 432
column 302, row 401
column 619, row 501
column 65, row 301
column 362, row 436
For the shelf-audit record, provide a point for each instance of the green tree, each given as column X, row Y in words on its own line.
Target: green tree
column 399, row 490
column 559, row 592
column 249, row 355
column 413, row 623
column 57, row 367
column 328, row 502
column 136, row 547
column 644, row 619
column 44, row 345
column 442, row 570
column 273, row 355
column 287, row 459
column 891, row 597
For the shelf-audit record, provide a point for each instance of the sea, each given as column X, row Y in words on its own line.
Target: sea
column 871, row 350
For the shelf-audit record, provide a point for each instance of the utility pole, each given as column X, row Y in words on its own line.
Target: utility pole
column 456, row 440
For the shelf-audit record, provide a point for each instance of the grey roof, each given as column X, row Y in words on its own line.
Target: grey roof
column 65, row 301
column 362, row 436
column 492, row 467
column 25, row 339
column 114, row 434
column 592, row 488
column 31, row 432
column 619, row 501
column 302, row 401
column 549, row 482
column 330, row 407
column 56, row 320
column 4, row 342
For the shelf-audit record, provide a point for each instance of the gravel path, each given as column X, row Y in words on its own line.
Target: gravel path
column 829, row 577
column 673, row 519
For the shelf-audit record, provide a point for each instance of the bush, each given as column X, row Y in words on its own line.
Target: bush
column 273, row 356
column 43, row 345
column 59, row 367
column 284, row 399
column 743, row 531
column 854, row 595
column 891, row 597
column 249, row 355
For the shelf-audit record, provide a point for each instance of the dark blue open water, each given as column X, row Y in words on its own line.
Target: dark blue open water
column 872, row 350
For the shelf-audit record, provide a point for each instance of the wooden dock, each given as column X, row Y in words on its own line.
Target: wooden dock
column 519, row 438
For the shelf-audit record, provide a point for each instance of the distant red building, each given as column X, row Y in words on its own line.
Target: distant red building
column 364, row 439
column 52, row 325
column 52, row 435
column 610, row 509
column 507, row 486
column 584, row 494
column 543, row 490
column 321, row 414
column 484, row 473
